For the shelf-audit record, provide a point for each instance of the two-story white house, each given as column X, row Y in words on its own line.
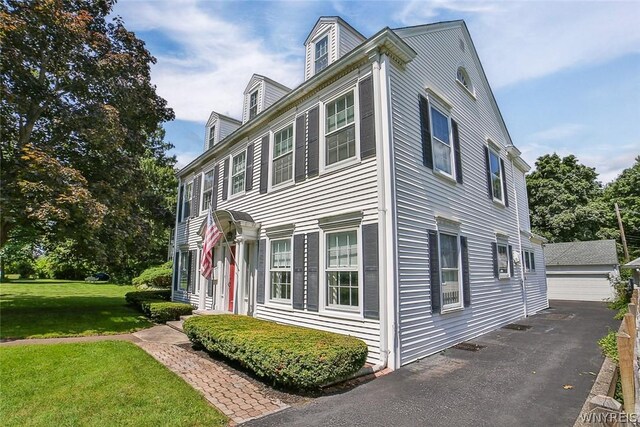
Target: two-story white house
column 381, row 198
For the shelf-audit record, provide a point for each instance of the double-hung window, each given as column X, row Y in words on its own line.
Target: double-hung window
column 280, row 269
column 450, row 271
column 238, row 167
column 496, row 176
column 340, row 130
column 503, row 261
column 207, row 190
column 186, row 201
column 184, row 270
column 212, row 136
column 282, row 170
column 322, row 54
column 528, row 259
column 342, row 269
column 442, row 147
column 253, row 104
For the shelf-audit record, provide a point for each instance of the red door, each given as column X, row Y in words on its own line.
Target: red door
column 232, row 276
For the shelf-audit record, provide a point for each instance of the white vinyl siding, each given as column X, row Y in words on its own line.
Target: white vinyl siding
column 342, row 269
column 340, row 133
column 238, row 167
column 280, row 269
column 282, row 163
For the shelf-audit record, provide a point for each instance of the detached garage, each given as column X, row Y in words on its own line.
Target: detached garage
column 581, row 271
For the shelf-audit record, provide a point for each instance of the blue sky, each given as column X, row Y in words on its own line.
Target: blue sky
column 566, row 74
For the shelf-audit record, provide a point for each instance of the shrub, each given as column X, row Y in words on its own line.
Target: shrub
column 136, row 297
column 162, row 311
column 154, row 277
column 289, row 356
column 609, row 345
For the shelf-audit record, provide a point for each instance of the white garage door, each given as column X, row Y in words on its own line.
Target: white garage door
column 579, row 287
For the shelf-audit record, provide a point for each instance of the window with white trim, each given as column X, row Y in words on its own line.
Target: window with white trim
column 184, row 270
column 496, row 176
column 342, row 269
column 280, row 269
column 207, row 190
column 340, row 130
column 528, row 258
column 463, row 77
column 253, row 104
column 322, row 54
column 238, row 167
column 503, row 261
column 212, row 136
column 186, row 200
column 282, row 169
column 450, row 271
column 442, row 146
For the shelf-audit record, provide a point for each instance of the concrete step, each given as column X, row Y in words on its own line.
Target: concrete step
column 175, row 324
column 183, row 318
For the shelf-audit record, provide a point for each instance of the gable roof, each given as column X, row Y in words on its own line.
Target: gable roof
column 633, row 264
column 459, row 23
column 215, row 116
column 257, row 77
column 333, row 19
column 593, row 252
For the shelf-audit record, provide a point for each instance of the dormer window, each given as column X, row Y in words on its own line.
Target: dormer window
column 212, row 136
column 322, row 54
column 253, row 105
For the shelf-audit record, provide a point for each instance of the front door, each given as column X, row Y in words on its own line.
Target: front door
column 232, row 276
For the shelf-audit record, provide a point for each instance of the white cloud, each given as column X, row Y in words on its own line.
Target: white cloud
column 518, row 41
column 559, row 132
column 215, row 61
column 183, row 158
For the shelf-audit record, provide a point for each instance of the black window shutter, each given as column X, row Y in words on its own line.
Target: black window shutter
column 313, row 144
column 367, row 119
column 225, row 180
column 298, row 271
column 494, row 253
column 264, row 165
column 504, row 184
column 371, row 278
column 262, row 247
column 180, row 202
column 488, row 167
column 456, row 148
column 301, row 149
column 248, row 174
column 176, row 271
column 191, row 283
column 214, row 189
column 425, row 133
column 466, row 280
column 434, row 271
column 511, row 270
column 313, row 273
column 195, row 196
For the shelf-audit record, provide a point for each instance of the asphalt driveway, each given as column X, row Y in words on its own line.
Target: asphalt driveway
column 517, row 379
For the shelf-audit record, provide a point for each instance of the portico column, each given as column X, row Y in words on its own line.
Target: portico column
column 240, row 268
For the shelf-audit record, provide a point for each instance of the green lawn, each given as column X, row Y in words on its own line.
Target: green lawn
column 107, row 383
column 57, row 308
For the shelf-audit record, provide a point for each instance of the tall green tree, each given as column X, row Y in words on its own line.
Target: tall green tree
column 561, row 194
column 81, row 125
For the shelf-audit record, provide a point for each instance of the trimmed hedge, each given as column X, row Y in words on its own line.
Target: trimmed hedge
column 136, row 297
column 154, row 277
column 289, row 356
column 156, row 305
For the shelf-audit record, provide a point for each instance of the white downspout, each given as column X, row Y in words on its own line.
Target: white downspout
column 522, row 282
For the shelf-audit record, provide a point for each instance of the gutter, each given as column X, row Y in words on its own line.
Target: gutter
column 384, row 38
column 512, row 150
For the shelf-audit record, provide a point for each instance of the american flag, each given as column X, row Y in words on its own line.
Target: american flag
column 211, row 237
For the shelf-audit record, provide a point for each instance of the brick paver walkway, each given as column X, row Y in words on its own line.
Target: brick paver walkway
column 235, row 396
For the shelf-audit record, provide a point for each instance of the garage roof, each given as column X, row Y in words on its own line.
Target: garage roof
column 592, row 252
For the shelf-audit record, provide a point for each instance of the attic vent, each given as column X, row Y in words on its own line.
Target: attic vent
column 461, row 44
